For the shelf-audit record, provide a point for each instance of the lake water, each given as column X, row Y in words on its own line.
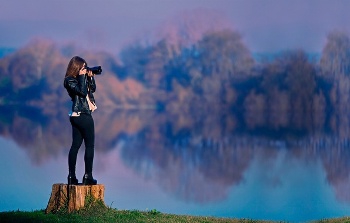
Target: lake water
column 183, row 164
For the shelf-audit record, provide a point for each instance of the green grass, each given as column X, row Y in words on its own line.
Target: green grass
column 98, row 212
column 124, row 216
column 110, row 215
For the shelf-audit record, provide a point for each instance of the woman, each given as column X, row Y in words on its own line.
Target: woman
column 80, row 85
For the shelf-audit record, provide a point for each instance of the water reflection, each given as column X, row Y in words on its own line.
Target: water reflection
column 211, row 162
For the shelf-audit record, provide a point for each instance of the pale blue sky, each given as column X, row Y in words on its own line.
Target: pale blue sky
column 266, row 25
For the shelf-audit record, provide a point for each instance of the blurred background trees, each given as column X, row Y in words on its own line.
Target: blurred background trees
column 215, row 72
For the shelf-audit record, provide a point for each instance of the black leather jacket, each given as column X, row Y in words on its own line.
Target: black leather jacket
column 77, row 89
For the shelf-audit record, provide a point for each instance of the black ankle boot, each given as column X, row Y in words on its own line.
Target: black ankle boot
column 89, row 180
column 72, row 179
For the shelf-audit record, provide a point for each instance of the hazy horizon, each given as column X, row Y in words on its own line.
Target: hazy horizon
column 266, row 26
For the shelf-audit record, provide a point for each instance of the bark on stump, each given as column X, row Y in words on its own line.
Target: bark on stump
column 73, row 196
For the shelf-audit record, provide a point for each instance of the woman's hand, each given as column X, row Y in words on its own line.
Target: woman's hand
column 82, row 71
column 90, row 74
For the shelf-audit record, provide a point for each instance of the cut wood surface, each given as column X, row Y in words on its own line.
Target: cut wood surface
column 73, row 196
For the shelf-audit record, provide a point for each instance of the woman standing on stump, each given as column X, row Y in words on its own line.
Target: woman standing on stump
column 80, row 85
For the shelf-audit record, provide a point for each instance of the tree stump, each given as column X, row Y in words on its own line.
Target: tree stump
column 73, row 196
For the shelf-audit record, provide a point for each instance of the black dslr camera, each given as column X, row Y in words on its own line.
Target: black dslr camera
column 95, row 70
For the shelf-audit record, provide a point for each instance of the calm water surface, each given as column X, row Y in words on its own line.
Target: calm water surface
column 207, row 166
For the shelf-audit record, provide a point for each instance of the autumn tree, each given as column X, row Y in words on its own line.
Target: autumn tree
column 335, row 60
column 335, row 66
column 284, row 96
column 224, row 53
column 210, row 66
column 301, row 85
column 134, row 59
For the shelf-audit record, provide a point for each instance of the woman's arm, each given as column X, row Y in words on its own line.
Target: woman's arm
column 92, row 84
column 76, row 85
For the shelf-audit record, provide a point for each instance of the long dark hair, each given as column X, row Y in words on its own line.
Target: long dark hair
column 74, row 66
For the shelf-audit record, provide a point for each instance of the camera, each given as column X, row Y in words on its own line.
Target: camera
column 95, row 70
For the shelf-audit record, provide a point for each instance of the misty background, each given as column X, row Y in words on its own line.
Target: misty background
column 192, row 93
column 267, row 26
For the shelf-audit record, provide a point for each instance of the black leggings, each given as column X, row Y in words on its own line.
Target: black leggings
column 83, row 129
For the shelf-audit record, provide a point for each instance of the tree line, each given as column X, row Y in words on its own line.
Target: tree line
column 217, row 73
column 289, row 89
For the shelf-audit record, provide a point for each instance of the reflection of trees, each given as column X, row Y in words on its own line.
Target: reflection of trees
column 200, row 162
column 196, row 157
column 186, row 164
column 335, row 158
column 42, row 137
column 203, row 169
